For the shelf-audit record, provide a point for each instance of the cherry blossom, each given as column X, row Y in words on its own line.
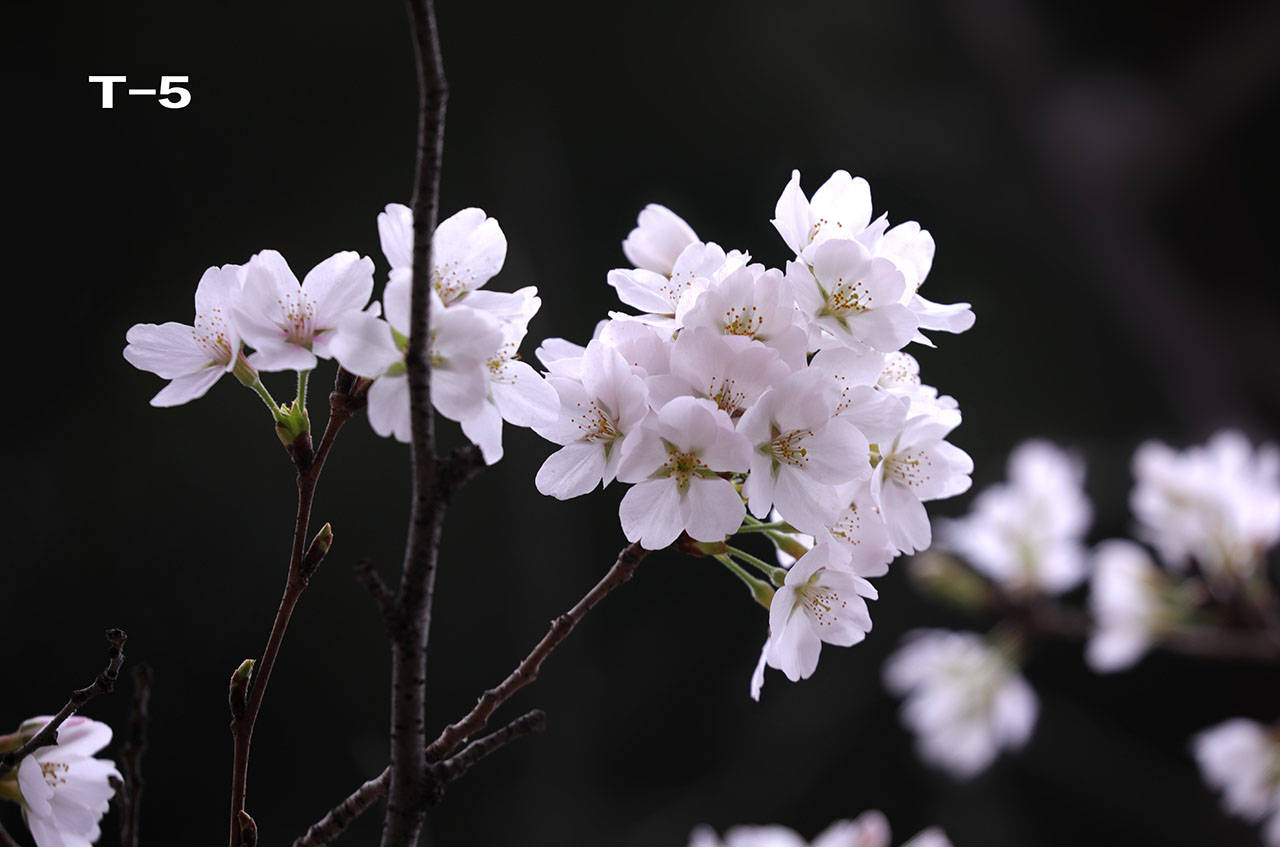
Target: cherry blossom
column 918, row 465
column 290, row 325
column 1241, row 758
column 657, row 240
column 869, row 829
column 596, row 412
column 192, row 357
column 852, row 297
column 65, row 790
column 1126, row 600
column 755, row 304
column 821, row 602
column 964, row 699
column 1027, row 534
column 841, row 208
column 467, row 250
column 675, row 459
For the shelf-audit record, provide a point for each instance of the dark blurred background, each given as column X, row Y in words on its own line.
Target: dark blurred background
column 1101, row 182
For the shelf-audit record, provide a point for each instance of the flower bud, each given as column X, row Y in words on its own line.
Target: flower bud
column 319, row 547
column 238, row 693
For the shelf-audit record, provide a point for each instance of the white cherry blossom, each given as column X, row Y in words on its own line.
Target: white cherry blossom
column 841, row 208
column 869, row 829
column 1027, row 534
column 65, row 790
column 755, row 304
column 822, row 601
column 965, row 701
column 657, row 240
column 665, row 299
column 675, row 459
column 1218, row 504
column 467, row 250
column 1241, row 758
column 290, row 324
column 192, row 357
column 1125, row 600
column 801, row 452
column 852, row 297
column 596, row 412
column 918, row 465
column 730, row 372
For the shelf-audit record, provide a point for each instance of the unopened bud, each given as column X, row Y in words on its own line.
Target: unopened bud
column 946, row 578
column 319, row 547
column 238, row 693
column 248, row 829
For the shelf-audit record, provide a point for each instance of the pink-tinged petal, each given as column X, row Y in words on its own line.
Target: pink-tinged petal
column 31, row 784
column 389, row 407
column 886, row 329
column 757, row 674
column 184, row 389
column 510, row 309
column 844, row 201
column 642, row 454
column 467, row 250
column 397, row 298
column 651, row 515
column 905, row 517
column 363, row 345
column 573, row 470
column 524, row 398
column 658, row 239
column 642, row 289
column 805, row 503
column 837, row 453
column 689, row 423
column 458, row 392
column 791, row 215
column 82, row 736
column 485, row 429
column 395, row 233
column 168, row 350
column 339, row 285
column 795, row 648
column 461, row 335
column 279, row 355
column 713, row 509
column 219, row 287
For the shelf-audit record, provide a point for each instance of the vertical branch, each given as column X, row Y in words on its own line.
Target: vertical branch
column 410, row 618
column 343, row 403
column 135, row 745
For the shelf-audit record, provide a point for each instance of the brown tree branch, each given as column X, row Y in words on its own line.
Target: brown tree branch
column 104, row 683
column 377, row 588
column 131, row 752
column 410, row 623
column 346, row 399
column 333, row 824
column 527, row 671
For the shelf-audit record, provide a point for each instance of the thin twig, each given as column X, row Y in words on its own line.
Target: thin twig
column 104, row 683
column 332, row 825
column 345, row 400
column 329, row 827
column 410, row 624
column 377, row 588
column 131, row 752
column 527, row 671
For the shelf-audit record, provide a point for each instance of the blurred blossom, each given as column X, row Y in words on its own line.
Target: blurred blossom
column 1217, row 504
column 1241, row 758
column 964, row 699
column 869, row 829
column 1027, row 534
column 1129, row 603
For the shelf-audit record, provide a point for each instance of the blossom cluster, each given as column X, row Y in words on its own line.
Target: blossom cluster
column 1205, row 519
column 477, row 377
column 63, row 790
column 869, row 829
column 1241, row 758
column 740, row 397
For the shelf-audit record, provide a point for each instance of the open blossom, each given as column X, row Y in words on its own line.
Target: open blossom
column 754, row 304
column 730, row 372
column 1027, row 534
column 1218, row 504
column 290, row 325
column 1241, row 758
column 1127, row 601
column 675, row 460
column 467, row 250
column 801, row 453
column 852, row 297
column 65, row 790
column 963, row 698
column 869, row 829
column 657, row 240
column 514, row 392
column 461, row 342
column 192, row 357
column 596, row 412
column 841, row 208
column 823, row 601
column 918, row 465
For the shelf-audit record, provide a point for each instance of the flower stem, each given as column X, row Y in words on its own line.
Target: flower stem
column 303, row 376
column 272, row 407
column 762, row 592
column 750, row 525
column 775, row 575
